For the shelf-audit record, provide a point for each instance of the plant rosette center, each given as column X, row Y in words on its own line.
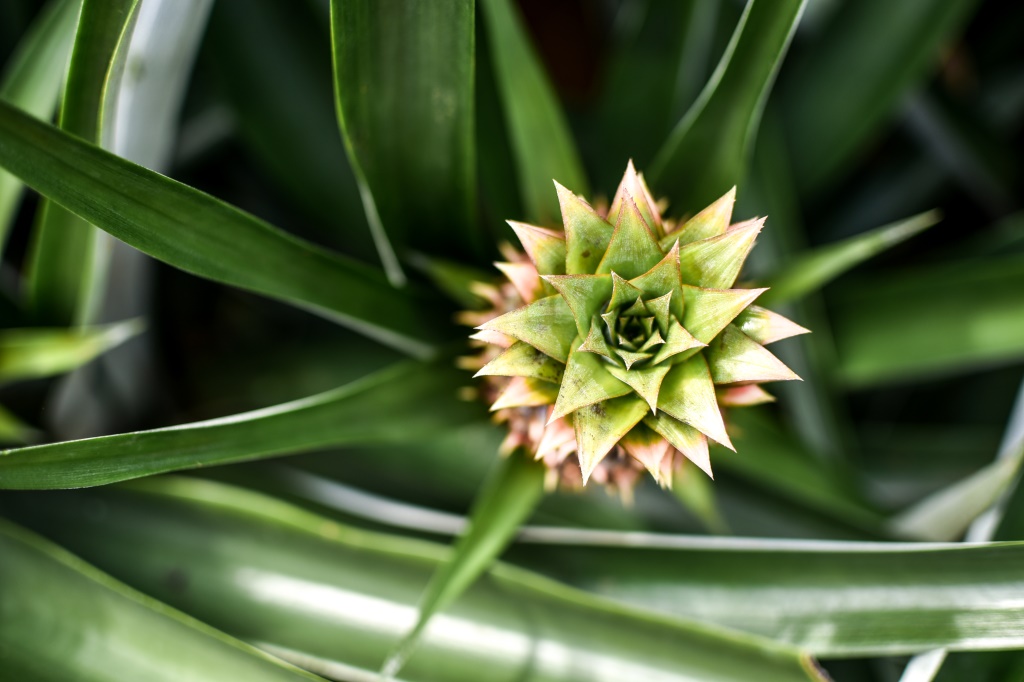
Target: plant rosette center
column 616, row 342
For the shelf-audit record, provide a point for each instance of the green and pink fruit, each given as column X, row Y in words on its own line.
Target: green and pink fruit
column 614, row 342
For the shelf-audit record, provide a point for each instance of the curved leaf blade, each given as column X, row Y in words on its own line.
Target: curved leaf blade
column 810, row 271
column 67, row 262
column 882, row 598
column 947, row 513
column 504, row 504
column 197, row 233
column 708, row 151
column 272, row 54
column 32, row 83
column 403, row 81
column 929, row 321
column 542, row 144
column 842, row 93
column 64, row 619
column 44, row 352
column 360, row 412
column 926, row 595
column 341, row 597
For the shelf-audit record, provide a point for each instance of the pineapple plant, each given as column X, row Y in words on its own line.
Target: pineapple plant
column 233, row 363
column 625, row 337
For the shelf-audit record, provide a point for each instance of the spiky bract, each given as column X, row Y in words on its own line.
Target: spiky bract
column 628, row 337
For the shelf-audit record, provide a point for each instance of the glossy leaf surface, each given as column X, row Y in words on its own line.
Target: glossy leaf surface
column 62, row 619
column 202, row 235
column 360, row 412
column 338, row 598
column 404, row 90
column 32, row 80
column 708, row 151
column 541, row 142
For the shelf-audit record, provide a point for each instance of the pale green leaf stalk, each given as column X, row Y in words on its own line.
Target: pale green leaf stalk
column 625, row 336
column 43, row 352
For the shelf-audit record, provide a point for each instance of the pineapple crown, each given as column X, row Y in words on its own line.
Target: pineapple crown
column 631, row 331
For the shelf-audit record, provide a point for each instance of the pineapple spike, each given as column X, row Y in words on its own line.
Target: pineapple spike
column 715, row 263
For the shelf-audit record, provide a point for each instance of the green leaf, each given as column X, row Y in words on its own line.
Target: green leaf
column 810, row 271
column 710, row 222
column 774, row 459
column 684, row 438
column 765, row 326
column 645, row 381
column 707, row 152
column 600, row 426
column 633, row 188
column 663, row 279
column 677, row 341
column 929, row 321
column 338, row 598
column 526, row 392
column 202, row 235
column 268, row 60
column 32, row 82
column 65, row 619
column 363, row 411
column 697, row 493
column 454, row 279
column 504, row 504
column 67, row 260
column 44, row 352
column 832, row 124
column 403, row 80
column 542, row 144
column 946, row 514
column 883, row 599
column 13, row 430
column 924, row 667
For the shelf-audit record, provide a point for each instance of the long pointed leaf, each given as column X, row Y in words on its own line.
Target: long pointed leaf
column 68, row 260
column 65, row 620
column 43, row 352
column 841, row 94
column 32, row 83
column 140, row 123
column 920, row 595
column 503, row 506
column 202, row 235
column 930, row 321
column 361, row 412
column 709, row 149
column 272, row 53
column 835, row 599
column 947, row 513
column 403, row 78
column 542, row 144
column 338, row 598
column 810, row 271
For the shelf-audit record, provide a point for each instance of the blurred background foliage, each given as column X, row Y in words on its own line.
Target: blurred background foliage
column 454, row 117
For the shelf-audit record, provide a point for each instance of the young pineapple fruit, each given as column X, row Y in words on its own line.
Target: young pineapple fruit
column 613, row 344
